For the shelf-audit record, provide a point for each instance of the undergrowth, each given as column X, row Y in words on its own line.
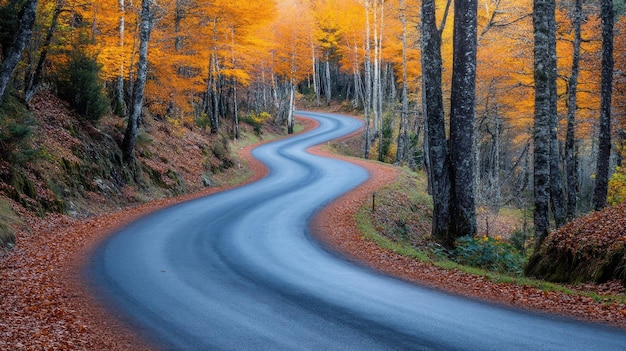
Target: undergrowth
column 495, row 259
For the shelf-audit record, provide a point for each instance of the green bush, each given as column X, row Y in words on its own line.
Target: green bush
column 488, row 253
column 256, row 120
column 16, row 126
column 79, row 84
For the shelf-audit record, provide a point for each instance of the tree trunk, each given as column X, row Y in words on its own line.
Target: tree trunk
column 32, row 83
column 130, row 137
column 403, row 133
column 290, row 121
column 604, row 144
column 543, row 16
column 24, row 32
column 570, row 137
column 328, row 80
column 434, row 116
column 463, row 209
column 368, row 84
column 556, row 182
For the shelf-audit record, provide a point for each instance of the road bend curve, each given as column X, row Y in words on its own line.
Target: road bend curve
column 238, row 270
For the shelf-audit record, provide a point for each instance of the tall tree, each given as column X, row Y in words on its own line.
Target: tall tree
column 463, row 209
column 402, row 151
column 434, row 119
column 556, row 184
column 570, row 137
column 130, row 137
column 604, row 146
column 544, row 72
column 22, row 36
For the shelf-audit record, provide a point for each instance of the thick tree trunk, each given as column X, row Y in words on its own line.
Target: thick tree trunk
column 556, row 182
column 543, row 16
column 434, row 116
column 463, row 209
column 570, row 137
column 604, row 144
column 130, row 137
column 24, row 32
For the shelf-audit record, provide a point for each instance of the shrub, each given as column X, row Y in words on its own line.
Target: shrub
column 257, row 120
column 79, row 84
column 16, row 126
column 488, row 253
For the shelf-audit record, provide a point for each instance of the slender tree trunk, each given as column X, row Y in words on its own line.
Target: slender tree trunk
column 316, row 76
column 463, row 209
column 604, row 145
column 543, row 16
column 290, row 120
column 570, row 137
column 130, row 138
column 33, row 81
column 368, row 83
column 24, row 32
column 403, row 134
column 439, row 176
column 328, row 80
column 120, row 101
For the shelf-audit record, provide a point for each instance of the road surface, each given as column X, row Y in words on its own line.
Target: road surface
column 238, row 270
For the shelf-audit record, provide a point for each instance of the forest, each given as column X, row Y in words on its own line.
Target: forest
column 521, row 101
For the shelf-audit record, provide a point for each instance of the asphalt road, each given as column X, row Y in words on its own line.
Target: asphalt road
column 238, row 270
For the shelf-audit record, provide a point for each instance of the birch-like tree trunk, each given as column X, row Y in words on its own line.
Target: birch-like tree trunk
column 130, row 137
column 604, row 139
column 463, row 209
column 24, row 32
column 543, row 16
column 571, row 162
column 368, row 83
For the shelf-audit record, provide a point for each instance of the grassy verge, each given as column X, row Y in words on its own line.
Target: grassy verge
column 390, row 228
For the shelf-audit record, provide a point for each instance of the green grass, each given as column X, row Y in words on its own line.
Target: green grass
column 365, row 224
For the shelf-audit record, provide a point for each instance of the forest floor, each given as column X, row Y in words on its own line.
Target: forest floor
column 45, row 304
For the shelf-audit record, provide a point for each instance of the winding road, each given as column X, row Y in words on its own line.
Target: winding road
column 238, row 270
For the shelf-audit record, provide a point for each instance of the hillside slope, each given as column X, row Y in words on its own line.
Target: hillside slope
column 71, row 166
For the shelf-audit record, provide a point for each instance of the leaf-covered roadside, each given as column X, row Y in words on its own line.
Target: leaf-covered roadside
column 336, row 226
column 44, row 302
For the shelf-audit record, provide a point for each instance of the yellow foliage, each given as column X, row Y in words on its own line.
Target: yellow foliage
column 617, row 183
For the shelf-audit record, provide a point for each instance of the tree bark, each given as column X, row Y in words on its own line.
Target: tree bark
column 24, row 32
column 543, row 16
column 463, row 209
column 604, row 144
column 402, row 152
column 130, row 137
column 368, row 84
column 434, row 118
column 33, row 81
column 556, row 182
column 570, row 137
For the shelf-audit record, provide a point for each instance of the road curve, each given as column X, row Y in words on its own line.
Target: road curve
column 238, row 270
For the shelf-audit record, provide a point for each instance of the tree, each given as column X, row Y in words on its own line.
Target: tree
column 544, row 74
column 132, row 129
column 432, row 101
column 463, row 100
column 604, row 145
column 22, row 36
column 571, row 162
